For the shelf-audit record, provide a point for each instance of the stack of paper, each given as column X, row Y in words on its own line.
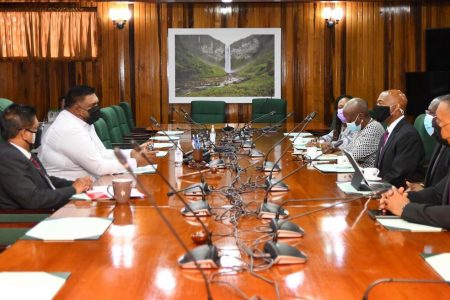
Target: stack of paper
column 294, row 134
column 398, row 224
column 440, row 262
column 69, row 229
column 148, row 169
column 165, row 138
column 334, row 168
column 162, row 145
column 171, row 132
column 347, row 188
column 101, row 193
column 31, row 285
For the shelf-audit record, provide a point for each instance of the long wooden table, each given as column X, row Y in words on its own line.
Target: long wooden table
column 136, row 258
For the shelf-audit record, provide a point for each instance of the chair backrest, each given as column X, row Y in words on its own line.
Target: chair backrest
column 4, row 103
column 103, row 133
column 264, row 106
column 208, row 112
column 124, row 127
column 428, row 142
column 115, row 133
column 128, row 113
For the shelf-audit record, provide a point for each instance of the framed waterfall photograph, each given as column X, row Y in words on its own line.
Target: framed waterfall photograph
column 233, row 65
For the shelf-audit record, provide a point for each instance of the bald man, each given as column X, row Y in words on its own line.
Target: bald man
column 429, row 206
column 400, row 152
column 367, row 132
column 439, row 165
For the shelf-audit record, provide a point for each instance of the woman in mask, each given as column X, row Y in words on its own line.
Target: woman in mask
column 339, row 128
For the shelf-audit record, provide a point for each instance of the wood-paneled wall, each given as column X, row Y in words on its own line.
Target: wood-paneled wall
column 368, row 51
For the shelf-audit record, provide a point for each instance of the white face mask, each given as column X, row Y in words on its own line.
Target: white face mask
column 33, row 139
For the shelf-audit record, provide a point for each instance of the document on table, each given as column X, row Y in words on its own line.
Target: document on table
column 294, row 134
column 440, row 262
column 165, row 138
column 171, row 132
column 334, row 168
column 162, row 145
column 347, row 188
column 31, row 285
column 398, row 224
column 161, row 153
column 100, row 192
column 148, row 169
column 69, row 229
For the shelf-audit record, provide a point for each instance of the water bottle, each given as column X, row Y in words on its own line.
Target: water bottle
column 212, row 135
column 178, row 155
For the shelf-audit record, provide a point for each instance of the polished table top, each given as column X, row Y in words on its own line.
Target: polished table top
column 137, row 256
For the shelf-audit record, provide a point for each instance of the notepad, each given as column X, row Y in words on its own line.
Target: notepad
column 101, row 193
column 162, row 145
column 346, row 187
column 440, row 262
column 31, row 285
column 294, row 134
column 165, row 138
column 69, row 229
column 334, row 168
column 171, row 132
column 398, row 224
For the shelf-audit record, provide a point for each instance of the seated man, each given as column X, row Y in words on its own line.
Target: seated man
column 400, row 152
column 439, row 165
column 429, row 206
column 24, row 183
column 368, row 132
column 71, row 147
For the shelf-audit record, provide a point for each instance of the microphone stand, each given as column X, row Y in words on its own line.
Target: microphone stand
column 195, row 255
column 237, row 138
column 271, row 129
column 274, row 167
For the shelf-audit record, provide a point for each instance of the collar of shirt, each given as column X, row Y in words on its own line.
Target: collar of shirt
column 67, row 114
column 24, row 152
column 391, row 127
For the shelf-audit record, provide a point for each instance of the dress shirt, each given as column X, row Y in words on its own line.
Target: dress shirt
column 71, row 149
column 391, row 127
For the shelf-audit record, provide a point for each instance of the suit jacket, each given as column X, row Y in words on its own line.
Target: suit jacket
column 430, row 206
column 22, row 186
column 439, row 165
column 401, row 158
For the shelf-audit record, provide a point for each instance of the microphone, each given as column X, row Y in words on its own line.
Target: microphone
column 205, row 256
column 274, row 167
column 269, row 129
column 270, row 210
column 399, row 280
column 237, row 138
column 282, row 253
column 189, row 119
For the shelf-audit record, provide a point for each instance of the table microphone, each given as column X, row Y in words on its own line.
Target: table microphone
column 270, row 129
column 269, row 210
column 189, row 119
column 274, row 167
column 399, row 280
column 237, row 138
column 205, row 256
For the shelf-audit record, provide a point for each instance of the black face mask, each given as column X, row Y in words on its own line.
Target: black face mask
column 381, row 113
column 37, row 139
column 437, row 134
column 94, row 115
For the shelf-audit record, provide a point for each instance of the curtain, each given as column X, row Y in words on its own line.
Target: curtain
column 48, row 34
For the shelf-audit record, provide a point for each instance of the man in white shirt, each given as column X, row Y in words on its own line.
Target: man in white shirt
column 71, row 147
column 24, row 182
column 400, row 152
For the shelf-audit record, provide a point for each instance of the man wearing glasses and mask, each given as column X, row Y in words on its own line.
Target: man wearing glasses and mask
column 71, row 147
column 429, row 206
column 24, row 183
column 400, row 151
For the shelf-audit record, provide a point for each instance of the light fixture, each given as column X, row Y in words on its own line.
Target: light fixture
column 119, row 16
column 332, row 16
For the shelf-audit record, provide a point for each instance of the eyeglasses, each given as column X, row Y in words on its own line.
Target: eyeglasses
column 32, row 131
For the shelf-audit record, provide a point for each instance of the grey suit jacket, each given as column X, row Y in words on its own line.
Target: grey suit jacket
column 22, row 186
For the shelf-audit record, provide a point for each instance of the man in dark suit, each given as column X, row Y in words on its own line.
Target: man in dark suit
column 24, row 183
column 439, row 165
column 400, row 151
column 429, row 206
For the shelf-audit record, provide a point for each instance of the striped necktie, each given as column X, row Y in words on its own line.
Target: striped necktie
column 38, row 166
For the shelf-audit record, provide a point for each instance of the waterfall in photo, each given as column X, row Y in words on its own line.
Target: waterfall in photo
column 227, row 59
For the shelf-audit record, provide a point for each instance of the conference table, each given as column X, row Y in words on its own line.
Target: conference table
column 136, row 257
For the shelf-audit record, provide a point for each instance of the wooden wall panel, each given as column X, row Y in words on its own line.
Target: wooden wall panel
column 367, row 52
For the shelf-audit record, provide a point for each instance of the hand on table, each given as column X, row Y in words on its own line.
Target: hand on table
column 83, row 184
column 394, row 200
column 413, row 186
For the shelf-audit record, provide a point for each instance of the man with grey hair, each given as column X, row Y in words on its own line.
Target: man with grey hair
column 439, row 165
column 367, row 132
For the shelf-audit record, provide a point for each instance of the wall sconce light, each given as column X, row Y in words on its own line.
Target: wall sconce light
column 332, row 16
column 119, row 16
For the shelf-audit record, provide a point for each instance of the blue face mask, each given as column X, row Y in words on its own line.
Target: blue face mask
column 353, row 127
column 428, row 124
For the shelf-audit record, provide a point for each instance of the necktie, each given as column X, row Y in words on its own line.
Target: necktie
column 384, row 138
column 38, row 166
